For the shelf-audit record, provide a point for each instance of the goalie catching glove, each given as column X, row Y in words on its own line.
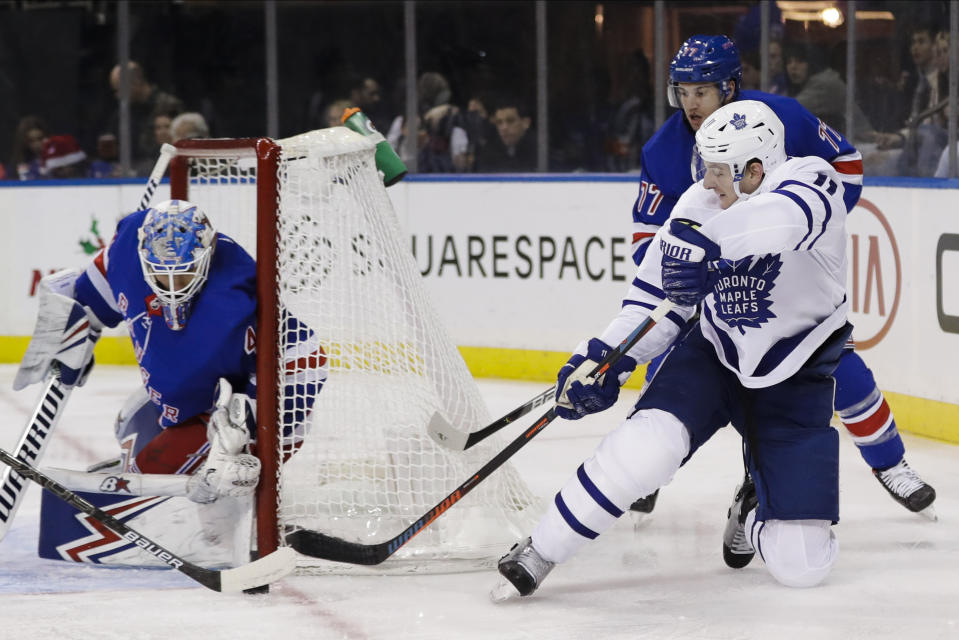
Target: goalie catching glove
column 64, row 336
column 577, row 394
column 228, row 469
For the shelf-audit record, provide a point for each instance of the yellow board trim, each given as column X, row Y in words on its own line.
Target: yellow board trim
column 929, row 418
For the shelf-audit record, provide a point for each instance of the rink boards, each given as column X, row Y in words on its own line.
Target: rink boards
column 521, row 269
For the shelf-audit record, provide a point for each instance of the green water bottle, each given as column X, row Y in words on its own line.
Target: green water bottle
column 387, row 162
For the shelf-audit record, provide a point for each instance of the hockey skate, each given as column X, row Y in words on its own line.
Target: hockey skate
column 524, row 568
column 737, row 550
column 907, row 488
column 639, row 511
column 645, row 505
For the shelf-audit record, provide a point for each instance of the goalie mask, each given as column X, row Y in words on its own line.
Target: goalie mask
column 175, row 245
column 739, row 132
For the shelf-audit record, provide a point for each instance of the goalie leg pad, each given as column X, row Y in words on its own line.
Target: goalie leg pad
column 797, row 553
column 639, row 457
column 215, row 535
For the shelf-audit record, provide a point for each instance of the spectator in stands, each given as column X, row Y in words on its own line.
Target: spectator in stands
column 514, row 147
column 161, row 129
column 146, row 102
column 26, row 160
column 822, row 90
column 104, row 165
column 187, row 126
column 63, row 158
column 334, row 113
column 923, row 137
column 777, row 68
column 442, row 141
column 632, row 122
column 752, row 69
column 479, row 129
column 366, row 95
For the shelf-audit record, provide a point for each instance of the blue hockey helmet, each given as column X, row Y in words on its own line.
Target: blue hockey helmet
column 175, row 244
column 705, row 59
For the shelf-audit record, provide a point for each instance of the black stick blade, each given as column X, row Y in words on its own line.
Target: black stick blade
column 320, row 545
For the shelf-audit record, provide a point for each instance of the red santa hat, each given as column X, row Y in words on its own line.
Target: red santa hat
column 61, row 151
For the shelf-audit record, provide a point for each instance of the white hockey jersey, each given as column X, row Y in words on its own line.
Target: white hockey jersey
column 782, row 285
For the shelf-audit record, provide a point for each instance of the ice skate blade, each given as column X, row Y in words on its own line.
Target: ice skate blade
column 503, row 591
column 930, row 513
column 640, row 520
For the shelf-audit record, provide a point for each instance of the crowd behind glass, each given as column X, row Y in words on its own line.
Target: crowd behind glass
column 197, row 70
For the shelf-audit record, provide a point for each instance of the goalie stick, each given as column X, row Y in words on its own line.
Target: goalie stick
column 321, row 545
column 255, row 574
column 34, row 439
column 446, row 435
column 31, row 446
column 120, row 484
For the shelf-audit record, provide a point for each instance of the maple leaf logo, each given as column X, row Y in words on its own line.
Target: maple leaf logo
column 738, row 121
column 741, row 296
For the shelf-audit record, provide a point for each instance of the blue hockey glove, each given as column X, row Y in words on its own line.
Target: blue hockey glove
column 577, row 395
column 687, row 253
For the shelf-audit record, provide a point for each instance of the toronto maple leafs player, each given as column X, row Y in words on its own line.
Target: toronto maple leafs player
column 187, row 296
column 761, row 244
column 705, row 74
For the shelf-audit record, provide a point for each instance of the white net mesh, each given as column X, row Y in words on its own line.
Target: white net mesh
column 367, row 468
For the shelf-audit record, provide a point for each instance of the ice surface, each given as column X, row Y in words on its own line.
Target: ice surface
column 897, row 574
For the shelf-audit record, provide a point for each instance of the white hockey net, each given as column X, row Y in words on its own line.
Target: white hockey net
column 367, row 468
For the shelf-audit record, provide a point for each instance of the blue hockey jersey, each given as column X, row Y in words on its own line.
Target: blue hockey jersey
column 181, row 369
column 669, row 162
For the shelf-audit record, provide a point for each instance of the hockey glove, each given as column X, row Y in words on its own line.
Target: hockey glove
column 687, row 254
column 64, row 335
column 228, row 469
column 578, row 395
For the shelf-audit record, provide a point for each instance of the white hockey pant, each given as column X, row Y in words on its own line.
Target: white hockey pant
column 798, row 553
column 633, row 461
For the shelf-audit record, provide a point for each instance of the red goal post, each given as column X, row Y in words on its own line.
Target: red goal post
column 266, row 153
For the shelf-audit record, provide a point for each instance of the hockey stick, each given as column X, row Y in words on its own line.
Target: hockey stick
column 167, row 151
column 255, row 574
column 321, row 545
column 31, row 446
column 443, row 432
column 34, row 439
column 120, row 484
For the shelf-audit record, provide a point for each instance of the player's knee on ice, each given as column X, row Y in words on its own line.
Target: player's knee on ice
column 798, row 553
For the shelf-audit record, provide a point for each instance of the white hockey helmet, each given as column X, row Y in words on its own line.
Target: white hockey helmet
column 739, row 132
column 175, row 243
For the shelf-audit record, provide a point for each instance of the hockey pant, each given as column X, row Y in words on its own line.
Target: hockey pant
column 640, row 457
column 861, row 407
column 145, row 447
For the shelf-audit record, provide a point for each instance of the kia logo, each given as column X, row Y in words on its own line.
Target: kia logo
column 875, row 274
